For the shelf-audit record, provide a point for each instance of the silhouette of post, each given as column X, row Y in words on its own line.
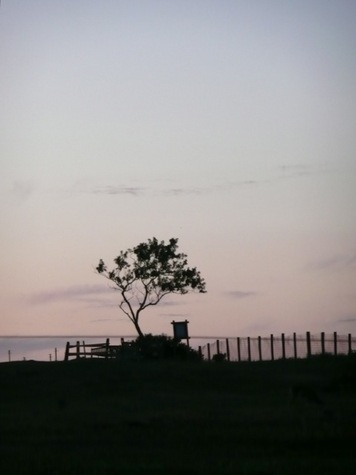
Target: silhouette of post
column 66, row 354
column 238, row 349
column 309, row 353
column 107, row 348
column 335, row 343
column 259, row 348
column 209, row 354
column 350, row 343
column 283, row 347
column 227, row 349
column 295, row 345
column 78, row 349
column 323, row 343
column 249, row 348
column 272, row 347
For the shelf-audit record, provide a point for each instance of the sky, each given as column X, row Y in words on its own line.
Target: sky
column 228, row 124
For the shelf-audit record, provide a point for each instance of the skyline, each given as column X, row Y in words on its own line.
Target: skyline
column 228, row 125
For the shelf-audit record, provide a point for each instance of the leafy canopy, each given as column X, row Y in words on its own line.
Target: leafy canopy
column 148, row 272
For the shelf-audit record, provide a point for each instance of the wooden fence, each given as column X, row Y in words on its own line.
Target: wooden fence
column 278, row 347
column 98, row 350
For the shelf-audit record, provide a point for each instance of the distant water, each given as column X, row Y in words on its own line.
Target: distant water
column 44, row 348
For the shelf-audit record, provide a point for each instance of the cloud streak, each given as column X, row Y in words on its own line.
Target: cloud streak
column 348, row 319
column 174, row 315
column 334, row 263
column 118, row 190
column 239, row 294
column 22, row 190
column 75, row 292
column 284, row 172
column 301, row 170
column 136, row 191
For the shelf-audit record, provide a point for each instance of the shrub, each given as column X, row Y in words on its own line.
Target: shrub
column 163, row 347
column 219, row 358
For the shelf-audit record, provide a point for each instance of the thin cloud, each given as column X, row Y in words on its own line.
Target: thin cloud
column 336, row 262
column 209, row 189
column 301, row 170
column 168, row 303
column 174, row 315
column 239, row 184
column 76, row 292
column 22, row 190
column 122, row 189
column 349, row 319
column 239, row 294
column 101, row 320
column 284, row 172
column 185, row 191
column 118, row 190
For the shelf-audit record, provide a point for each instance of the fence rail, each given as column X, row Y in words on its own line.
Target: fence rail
column 278, row 347
column 99, row 350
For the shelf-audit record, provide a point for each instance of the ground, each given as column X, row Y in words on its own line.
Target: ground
column 101, row 417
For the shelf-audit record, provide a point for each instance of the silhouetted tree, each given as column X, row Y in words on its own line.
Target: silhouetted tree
column 147, row 273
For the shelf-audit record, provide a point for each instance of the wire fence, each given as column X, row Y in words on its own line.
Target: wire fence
column 277, row 347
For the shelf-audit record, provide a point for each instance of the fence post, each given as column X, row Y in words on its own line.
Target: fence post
column 209, row 354
column 249, row 348
column 66, row 354
column 9, row 353
column 272, row 347
column 295, row 345
column 309, row 353
column 78, row 349
column 218, row 347
column 259, row 348
column 107, row 345
column 335, row 343
column 227, row 349
column 283, row 347
column 238, row 349
column 84, row 350
column 55, row 354
column 200, row 352
column 350, row 343
column 323, row 343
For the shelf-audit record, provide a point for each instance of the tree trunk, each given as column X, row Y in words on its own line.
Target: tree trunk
column 138, row 329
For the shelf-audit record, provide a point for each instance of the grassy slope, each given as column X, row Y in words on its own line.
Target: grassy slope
column 98, row 417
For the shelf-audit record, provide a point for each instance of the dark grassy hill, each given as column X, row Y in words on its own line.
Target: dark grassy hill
column 101, row 417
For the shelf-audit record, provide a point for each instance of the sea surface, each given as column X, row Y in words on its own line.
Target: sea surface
column 46, row 348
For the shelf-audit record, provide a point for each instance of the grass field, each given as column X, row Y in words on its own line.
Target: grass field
column 100, row 417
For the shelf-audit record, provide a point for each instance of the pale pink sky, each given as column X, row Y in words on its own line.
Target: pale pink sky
column 227, row 124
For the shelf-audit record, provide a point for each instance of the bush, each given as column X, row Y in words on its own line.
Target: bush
column 163, row 347
column 219, row 358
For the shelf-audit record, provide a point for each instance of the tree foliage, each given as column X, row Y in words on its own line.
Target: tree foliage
column 147, row 273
